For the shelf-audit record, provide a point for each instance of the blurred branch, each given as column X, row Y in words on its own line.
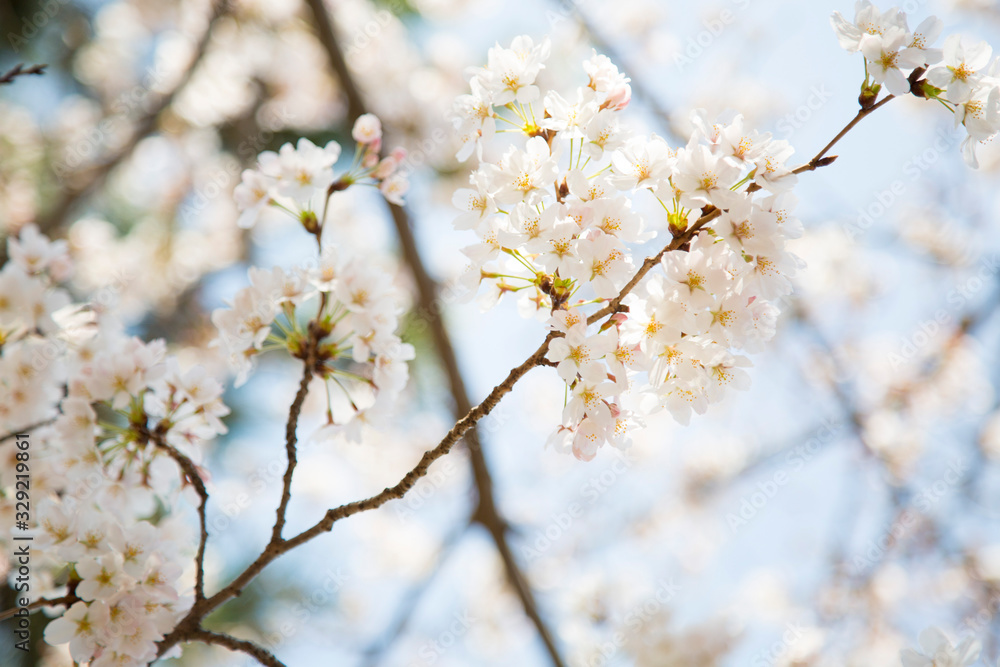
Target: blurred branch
column 66, row 600
column 275, row 548
column 768, row 456
column 26, row 429
column 331, row 44
column 93, row 179
column 855, row 417
column 21, row 70
column 191, row 472
column 290, row 436
column 899, row 493
column 486, row 512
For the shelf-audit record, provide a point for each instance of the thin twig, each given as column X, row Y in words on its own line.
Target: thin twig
column 862, row 114
column 290, row 446
column 257, row 652
column 26, row 430
column 21, row 70
column 38, row 604
column 191, row 472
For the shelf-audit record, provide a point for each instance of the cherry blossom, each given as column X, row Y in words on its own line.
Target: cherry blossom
column 559, row 230
column 300, row 179
column 960, row 73
column 960, row 76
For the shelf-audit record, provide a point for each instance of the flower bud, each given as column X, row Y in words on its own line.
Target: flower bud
column 367, row 129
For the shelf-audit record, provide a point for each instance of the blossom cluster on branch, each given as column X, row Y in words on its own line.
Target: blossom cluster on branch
column 351, row 341
column 557, row 222
column 118, row 428
column 962, row 76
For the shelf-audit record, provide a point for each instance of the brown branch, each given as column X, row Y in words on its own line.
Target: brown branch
column 862, row 114
column 38, row 604
column 258, row 653
column 290, row 443
column 21, row 70
column 328, row 38
column 25, row 430
column 276, row 548
column 191, row 472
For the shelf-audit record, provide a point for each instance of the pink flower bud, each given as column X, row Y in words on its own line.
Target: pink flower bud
column 367, row 129
column 394, row 188
column 618, row 98
column 385, row 168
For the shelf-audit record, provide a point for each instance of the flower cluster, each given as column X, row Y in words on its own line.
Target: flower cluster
column 962, row 76
column 558, row 220
column 126, row 579
column 351, row 342
column 299, row 179
column 111, row 419
column 111, row 459
column 30, row 299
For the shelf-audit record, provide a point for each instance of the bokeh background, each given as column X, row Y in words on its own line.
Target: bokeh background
column 826, row 516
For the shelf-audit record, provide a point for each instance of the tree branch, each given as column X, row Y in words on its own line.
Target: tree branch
column 290, row 444
column 276, row 548
column 38, row 604
column 21, row 70
column 26, row 429
column 232, row 643
column 191, row 472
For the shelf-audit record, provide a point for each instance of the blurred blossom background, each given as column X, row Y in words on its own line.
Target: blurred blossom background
column 825, row 517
